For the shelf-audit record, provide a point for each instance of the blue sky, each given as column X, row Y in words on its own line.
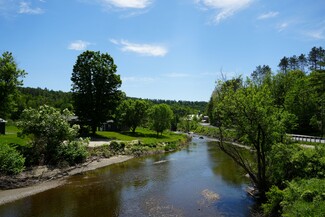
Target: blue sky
column 164, row 49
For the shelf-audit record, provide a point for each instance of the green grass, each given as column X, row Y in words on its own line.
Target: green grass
column 144, row 135
column 11, row 136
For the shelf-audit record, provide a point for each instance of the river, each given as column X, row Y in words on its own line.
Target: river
column 199, row 180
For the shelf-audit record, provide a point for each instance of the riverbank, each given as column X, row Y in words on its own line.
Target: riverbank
column 42, row 178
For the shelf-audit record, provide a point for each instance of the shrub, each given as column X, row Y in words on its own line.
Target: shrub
column 74, row 152
column 48, row 128
column 117, row 147
column 11, row 161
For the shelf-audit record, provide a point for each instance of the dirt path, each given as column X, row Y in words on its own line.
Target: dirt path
column 7, row 196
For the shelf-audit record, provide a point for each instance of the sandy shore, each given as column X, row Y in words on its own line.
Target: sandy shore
column 7, row 196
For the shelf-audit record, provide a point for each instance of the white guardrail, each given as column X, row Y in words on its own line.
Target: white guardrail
column 305, row 138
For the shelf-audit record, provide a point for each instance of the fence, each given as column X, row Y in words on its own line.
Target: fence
column 304, row 138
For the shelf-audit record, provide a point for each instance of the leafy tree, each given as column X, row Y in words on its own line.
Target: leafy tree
column 132, row 113
column 249, row 112
column 95, row 88
column 10, row 79
column 317, row 84
column 161, row 116
column 49, row 131
column 300, row 100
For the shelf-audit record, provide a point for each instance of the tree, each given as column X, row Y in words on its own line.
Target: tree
column 10, row 79
column 293, row 62
column 300, row 100
column 132, row 113
column 249, row 112
column 49, row 131
column 315, row 57
column 284, row 64
column 161, row 116
column 302, row 62
column 95, row 88
column 261, row 74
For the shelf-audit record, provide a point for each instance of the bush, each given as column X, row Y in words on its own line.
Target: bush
column 48, row 128
column 117, row 147
column 74, row 152
column 11, row 161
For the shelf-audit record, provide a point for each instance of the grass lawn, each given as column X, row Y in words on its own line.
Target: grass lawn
column 11, row 137
column 145, row 136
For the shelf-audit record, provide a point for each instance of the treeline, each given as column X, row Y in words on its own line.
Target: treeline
column 258, row 112
column 35, row 97
column 298, row 88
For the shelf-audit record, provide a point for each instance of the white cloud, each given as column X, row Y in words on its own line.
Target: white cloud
column 268, row 15
column 224, row 8
column 142, row 49
column 177, row 75
column 79, row 45
column 282, row 26
column 138, row 79
column 135, row 4
column 25, row 8
column 318, row 34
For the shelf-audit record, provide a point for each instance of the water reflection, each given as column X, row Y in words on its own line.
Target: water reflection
column 173, row 184
column 223, row 166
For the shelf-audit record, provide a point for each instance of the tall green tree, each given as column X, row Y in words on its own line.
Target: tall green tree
column 161, row 116
column 95, row 88
column 249, row 112
column 10, row 78
column 315, row 57
column 284, row 64
column 132, row 113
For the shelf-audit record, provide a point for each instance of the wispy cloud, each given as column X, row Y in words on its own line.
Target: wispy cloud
column 25, row 8
column 134, row 4
column 224, row 8
column 318, row 34
column 142, row 49
column 282, row 26
column 268, row 15
column 138, row 79
column 177, row 75
column 79, row 45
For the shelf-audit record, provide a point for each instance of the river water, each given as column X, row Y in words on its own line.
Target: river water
column 199, row 180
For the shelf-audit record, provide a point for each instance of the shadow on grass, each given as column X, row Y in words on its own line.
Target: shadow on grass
column 144, row 135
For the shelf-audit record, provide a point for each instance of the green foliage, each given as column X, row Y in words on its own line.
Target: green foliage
column 290, row 162
column 131, row 113
column 187, row 124
column 247, row 111
column 11, row 161
column 74, row 152
column 274, row 198
column 95, row 88
column 10, row 79
column 47, row 128
column 117, row 147
column 305, row 197
column 160, row 117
